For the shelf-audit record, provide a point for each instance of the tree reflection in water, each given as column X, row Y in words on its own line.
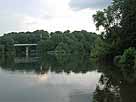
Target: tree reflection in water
column 112, row 87
column 54, row 63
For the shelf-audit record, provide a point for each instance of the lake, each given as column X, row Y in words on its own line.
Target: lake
column 69, row 78
column 47, row 81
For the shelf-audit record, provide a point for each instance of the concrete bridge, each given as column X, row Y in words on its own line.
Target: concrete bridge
column 27, row 46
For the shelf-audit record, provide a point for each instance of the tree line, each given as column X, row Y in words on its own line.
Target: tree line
column 76, row 42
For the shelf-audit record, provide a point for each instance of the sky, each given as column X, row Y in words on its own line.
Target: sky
column 50, row 15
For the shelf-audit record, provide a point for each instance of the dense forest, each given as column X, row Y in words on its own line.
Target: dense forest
column 77, row 42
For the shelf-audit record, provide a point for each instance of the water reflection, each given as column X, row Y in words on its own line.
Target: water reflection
column 47, row 79
column 72, row 76
column 113, row 87
column 41, row 65
column 49, row 87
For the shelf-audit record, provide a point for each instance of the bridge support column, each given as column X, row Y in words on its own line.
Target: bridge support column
column 27, row 51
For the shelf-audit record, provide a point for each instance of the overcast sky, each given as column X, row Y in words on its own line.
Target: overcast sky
column 50, row 15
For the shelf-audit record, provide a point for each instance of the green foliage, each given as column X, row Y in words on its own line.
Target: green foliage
column 101, row 51
column 118, row 40
column 8, row 40
column 77, row 42
column 127, row 63
column 119, row 23
column 128, row 57
column 7, row 45
column 109, row 41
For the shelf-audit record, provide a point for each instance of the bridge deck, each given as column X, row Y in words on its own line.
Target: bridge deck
column 25, row 45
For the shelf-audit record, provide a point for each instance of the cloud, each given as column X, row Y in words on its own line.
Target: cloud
column 93, row 4
column 50, row 15
column 74, row 21
column 10, row 22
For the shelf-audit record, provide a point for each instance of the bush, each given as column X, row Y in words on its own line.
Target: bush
column 127, row 63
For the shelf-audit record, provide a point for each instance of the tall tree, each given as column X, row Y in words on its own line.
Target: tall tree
column 119, row 23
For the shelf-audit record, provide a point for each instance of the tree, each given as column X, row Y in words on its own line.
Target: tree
column 117, row 42
column 119, row 23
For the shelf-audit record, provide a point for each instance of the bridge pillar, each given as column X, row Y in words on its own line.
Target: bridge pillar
column 27, row 51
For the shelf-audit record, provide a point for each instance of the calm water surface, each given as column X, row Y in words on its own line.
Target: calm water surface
column 18, row 84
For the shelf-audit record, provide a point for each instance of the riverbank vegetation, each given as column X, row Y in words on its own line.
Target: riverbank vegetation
column 117, row 43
